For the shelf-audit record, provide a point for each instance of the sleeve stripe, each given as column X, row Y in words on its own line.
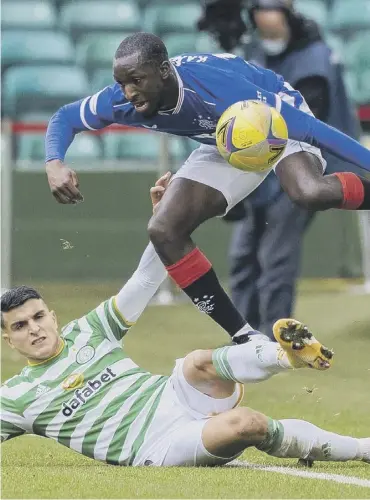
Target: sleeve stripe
column 119, row 316
column 82, row 113
column 114, row 317
column 104, row 321
column 94, row 102
column 278, row 103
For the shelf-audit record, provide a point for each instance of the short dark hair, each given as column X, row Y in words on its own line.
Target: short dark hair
column 150, row 47
column 15, row 297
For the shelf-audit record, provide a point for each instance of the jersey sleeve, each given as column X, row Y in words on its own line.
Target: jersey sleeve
column 13, row 423
column 91, row 113
column 115, row 316
column 106, row 321
column 301, row 126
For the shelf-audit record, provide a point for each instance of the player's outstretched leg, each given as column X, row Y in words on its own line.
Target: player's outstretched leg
column 301, row 177
column 226, row 435
column 185, row 205
column 230, row 433
column 215, row 372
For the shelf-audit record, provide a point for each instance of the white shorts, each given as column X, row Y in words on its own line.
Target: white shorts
column 174, row 437
column 206, row 165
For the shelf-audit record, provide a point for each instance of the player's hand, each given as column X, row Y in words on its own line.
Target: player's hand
column 63, row 183
column 157, row 191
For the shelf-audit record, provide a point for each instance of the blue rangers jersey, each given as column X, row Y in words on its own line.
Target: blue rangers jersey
column 208, row 84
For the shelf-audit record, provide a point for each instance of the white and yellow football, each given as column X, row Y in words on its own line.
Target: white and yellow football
column 251, row 136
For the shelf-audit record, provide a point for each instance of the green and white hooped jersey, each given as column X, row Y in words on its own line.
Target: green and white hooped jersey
column 91, row 397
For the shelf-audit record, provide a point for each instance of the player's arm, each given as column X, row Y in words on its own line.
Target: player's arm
column 301, row 126
column 133, row 298
column 12, row 423
column 115, row 316
column 92, row 113
column 307, row 128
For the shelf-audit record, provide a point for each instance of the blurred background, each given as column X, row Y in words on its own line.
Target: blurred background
column 57, row 51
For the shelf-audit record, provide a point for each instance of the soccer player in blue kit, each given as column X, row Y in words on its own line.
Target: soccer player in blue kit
column 185, row 96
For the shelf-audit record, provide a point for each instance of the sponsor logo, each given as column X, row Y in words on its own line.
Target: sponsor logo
column 84, row 392
column 85, row 354
column 205, row 304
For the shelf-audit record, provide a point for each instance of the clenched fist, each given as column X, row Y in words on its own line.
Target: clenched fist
column 63, row 183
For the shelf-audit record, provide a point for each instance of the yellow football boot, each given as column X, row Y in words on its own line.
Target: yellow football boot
column 300, row 345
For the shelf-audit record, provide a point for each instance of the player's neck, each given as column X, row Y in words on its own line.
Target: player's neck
column 170, row 93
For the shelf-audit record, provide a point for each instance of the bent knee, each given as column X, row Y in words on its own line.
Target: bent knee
column 248, row 425
column 307, row 195
column 160, row 232
column 199, row 361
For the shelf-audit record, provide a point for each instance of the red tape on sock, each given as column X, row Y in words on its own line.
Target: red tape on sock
column 190, row 268
column 353, row 190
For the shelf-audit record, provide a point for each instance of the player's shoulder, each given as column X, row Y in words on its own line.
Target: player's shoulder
column 108, row 96
column 8, row 388
column 95, row 323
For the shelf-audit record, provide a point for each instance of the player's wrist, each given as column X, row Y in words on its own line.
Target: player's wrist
column 54, row 163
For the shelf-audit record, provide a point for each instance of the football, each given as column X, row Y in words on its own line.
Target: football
column 251, row 135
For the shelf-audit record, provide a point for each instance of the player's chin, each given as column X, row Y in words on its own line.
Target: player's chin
column 147, row 109
column 44, row 350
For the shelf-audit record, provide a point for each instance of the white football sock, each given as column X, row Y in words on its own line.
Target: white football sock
column 292, row 438
column 252, row 362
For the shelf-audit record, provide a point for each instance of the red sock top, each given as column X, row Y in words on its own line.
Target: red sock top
column 190, row 268
column 353, row 190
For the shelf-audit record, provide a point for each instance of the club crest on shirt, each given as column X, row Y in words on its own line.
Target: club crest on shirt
column 85, row 354
column 205, row 122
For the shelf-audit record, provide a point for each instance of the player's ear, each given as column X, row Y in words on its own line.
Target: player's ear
column 7, row 339
column 165, row 69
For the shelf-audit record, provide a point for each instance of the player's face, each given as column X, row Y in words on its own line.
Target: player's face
column 143, row 84
column 32, row 330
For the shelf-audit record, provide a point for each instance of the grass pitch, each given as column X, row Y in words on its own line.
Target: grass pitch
column 337, row 400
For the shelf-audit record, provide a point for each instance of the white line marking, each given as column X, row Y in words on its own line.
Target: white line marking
column 289, row 471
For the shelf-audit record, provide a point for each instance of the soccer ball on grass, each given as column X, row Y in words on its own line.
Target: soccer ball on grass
column 251, row 136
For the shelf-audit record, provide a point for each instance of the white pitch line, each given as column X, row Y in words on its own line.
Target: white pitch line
column 289, row 471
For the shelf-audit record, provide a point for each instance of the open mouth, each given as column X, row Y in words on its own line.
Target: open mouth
column 141, row 106
column 38, row 341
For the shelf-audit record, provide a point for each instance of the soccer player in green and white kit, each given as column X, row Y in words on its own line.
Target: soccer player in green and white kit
column 81, row 389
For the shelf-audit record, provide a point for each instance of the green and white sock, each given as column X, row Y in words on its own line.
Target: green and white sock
column 251, row 362
column 274, row 437
column 291, row 438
